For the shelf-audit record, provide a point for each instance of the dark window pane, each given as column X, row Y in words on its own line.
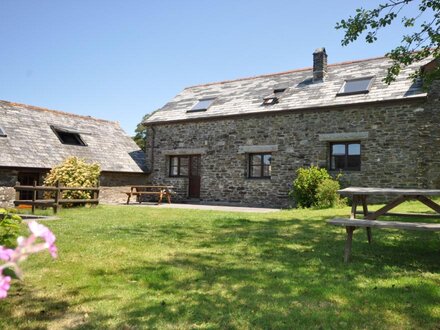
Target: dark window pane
column 70, row 138
column 354, row 162
column 338, row 149
column 184, row 161
column 338, row 162
column 354, row 149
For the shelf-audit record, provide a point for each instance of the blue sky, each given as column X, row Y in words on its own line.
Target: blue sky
column 119, row 60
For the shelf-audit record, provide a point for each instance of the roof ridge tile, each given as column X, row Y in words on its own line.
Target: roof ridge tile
column 35, row 108
column 285, row 72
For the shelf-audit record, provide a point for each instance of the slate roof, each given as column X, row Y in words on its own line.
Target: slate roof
column 245, row 96
column 30, row 141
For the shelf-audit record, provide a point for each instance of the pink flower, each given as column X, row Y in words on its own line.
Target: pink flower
column 4, row 285
column 5, row 254
column 42, row 231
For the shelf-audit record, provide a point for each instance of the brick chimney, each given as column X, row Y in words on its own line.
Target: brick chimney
column 319, row 65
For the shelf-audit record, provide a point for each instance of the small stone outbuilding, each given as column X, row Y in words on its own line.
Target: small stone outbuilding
column 33, row 140
column 241, row 141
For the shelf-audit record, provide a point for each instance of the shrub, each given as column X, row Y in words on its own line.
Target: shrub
column 327, row 194
column 9, row 228
column 314, row 186
column 74, row 172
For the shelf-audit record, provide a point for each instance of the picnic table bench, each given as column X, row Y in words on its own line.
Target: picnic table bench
column 161, row 191
column 359, row 196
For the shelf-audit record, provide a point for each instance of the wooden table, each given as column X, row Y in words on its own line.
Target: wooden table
column 161, row 191
column 359, row 196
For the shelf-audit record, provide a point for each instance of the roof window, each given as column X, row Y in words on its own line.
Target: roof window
column 279, row 91
column 2, row 132
column 355, row 86
column 273, row 98
column 202, row 105
column 68, row 136
column 270, row 100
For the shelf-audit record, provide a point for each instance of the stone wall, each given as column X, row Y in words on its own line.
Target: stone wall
column 8, row 179
column 113, row 186
column 7, row 196
column 399, row 148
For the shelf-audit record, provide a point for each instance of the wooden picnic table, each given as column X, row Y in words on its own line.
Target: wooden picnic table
column 360, row 195
column 161, row 191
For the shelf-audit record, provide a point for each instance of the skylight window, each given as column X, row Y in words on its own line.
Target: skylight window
column 355, row 86
column 270, row 100
column 279, row 91
column 202, row 105
column 273, row 98
column 68, row 136
column 2, row 132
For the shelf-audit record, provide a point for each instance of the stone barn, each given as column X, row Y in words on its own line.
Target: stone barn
column 241, row 141
column 33, row 140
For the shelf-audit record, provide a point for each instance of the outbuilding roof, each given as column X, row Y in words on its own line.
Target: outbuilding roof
column 246, row 96
column 30, row 140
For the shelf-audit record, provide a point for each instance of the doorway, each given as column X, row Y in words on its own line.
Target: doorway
column 194, row 176
column 27, row 179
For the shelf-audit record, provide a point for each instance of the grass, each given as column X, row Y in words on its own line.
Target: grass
column 136, row 268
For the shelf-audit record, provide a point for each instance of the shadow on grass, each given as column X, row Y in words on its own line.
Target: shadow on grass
column 30, row 307
column 275, row 274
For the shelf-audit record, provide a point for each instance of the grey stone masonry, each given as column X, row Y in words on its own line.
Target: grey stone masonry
column 400, row 143
column 319, row 64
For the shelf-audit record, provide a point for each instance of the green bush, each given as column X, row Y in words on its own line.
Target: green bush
column 314, row 186
column 74, row 172
column 327, row 194
column 9, row 228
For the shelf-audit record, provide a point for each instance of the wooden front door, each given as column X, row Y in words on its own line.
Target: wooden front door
column 194, row 176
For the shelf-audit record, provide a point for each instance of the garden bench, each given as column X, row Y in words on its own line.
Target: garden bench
column 161, row 191
column 352, row 224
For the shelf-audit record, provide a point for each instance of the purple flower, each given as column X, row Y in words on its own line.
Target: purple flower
column 42, row 231
column 4, row 285
column 5, row 254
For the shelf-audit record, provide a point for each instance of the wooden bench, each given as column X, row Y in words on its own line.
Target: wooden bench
column 161, row 191
column 352, row 224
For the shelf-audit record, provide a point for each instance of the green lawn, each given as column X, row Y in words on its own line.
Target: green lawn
column 135, row 268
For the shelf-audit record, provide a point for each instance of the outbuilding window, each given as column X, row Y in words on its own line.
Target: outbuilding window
column 260, row 166
column 68, row 135
column 179, row 166
column 345, row 156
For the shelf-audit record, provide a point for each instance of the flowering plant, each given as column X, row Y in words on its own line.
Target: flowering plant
column 25, row 247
